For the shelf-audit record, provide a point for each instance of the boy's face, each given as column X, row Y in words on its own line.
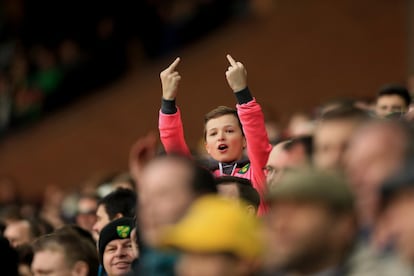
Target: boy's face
column 224, row 139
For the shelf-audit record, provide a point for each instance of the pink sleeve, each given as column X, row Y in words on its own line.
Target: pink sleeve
column 172, row 133
column 258, row 146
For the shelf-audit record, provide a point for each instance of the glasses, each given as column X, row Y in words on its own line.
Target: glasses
column 269, row 170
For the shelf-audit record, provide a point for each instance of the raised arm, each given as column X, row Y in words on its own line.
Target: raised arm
column 169, row 123
column 252, row 119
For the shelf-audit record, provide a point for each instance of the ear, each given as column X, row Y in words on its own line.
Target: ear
column 244, row 142
column 251, row 211
column 118, row 215
column 80, row 268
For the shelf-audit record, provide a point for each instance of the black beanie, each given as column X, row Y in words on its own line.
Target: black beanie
column 115, row 230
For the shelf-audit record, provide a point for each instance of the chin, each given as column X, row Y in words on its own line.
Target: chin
column 121, row 271
column 225, row 160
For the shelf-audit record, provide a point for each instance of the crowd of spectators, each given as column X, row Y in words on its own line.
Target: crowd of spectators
column 332, row 194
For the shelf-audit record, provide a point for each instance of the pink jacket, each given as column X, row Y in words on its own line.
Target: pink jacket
column 258, row 146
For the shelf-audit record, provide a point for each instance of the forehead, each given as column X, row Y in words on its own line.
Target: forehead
column 390, row 100
column 224, row 120
column 101, row 210
column 19, row 226
column 165, row 175
column 48, row 260
column 166, row 169
column 334, row 131
column 118, row 242
column 276, row 155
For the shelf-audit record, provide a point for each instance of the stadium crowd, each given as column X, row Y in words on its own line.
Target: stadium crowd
column 331, row 195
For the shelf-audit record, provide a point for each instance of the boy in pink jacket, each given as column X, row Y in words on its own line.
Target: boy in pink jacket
column 227, row 132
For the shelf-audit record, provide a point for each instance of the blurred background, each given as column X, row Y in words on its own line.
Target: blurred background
column 79, row 80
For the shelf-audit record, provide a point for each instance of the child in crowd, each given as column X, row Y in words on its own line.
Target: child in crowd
column 227, row 131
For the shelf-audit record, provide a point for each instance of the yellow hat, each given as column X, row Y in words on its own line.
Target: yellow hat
column 216, row 225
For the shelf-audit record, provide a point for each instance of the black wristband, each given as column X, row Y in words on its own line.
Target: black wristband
column 168, row 106
column 244, row 96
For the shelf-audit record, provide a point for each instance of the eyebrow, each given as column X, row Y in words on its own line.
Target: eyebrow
column 221, row 127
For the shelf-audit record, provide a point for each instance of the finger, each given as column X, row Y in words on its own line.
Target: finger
column 174, row 64
column 231, row 60
column 239, row 64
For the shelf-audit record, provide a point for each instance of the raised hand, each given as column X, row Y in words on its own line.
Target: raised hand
column 169, row 81
column 236, row 75
column 143, row 150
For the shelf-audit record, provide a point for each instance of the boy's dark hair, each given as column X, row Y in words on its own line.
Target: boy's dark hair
column 218, row 112
column 121, row 201
column 246, row 190
column 394, row 89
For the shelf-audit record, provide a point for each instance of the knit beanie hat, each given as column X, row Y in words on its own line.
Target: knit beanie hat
column 115, row 230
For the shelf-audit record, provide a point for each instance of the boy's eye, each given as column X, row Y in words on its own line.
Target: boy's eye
column 212, row 133
column 229, row 130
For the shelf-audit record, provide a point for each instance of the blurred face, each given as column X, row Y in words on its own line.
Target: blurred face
column 210, row 265
column 18, row 233
column 300, row 235
column 86, row 217
column 224, row 139
column 277, row 161
column 330, row 141
column 52, row 263
column 401, row 226
column 373, row 155
column 164, row 196
column 281, row 159
column 118, row 257
column 388, row 104
column 102, row 219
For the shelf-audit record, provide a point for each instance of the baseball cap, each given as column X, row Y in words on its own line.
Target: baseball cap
column 216, row 225
column 313, row 185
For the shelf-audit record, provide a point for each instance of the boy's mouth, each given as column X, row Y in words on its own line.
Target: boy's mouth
column 222, row 147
